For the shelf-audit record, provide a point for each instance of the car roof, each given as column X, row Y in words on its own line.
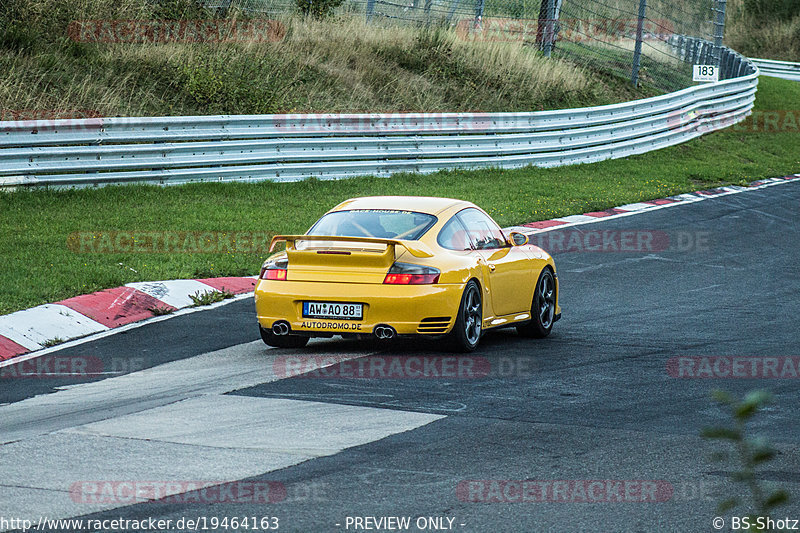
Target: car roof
column 421, row 204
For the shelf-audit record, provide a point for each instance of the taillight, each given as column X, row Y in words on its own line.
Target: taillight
column 408, row 274
column 274, row 270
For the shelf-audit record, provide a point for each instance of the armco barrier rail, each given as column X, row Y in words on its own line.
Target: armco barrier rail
column 778, row 69
column 171, row 150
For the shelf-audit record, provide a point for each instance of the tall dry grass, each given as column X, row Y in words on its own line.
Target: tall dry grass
column 769, row 38
column 336, row 65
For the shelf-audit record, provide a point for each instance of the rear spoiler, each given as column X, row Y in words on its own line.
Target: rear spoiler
column 415, row 248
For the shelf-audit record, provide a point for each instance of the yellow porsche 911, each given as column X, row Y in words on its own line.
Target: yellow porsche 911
column 405, row 265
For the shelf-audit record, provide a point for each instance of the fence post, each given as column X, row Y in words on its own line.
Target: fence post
column 479, row 12
column 549, row 31
column 370, row 9
column 452, row 11
column 637, row 51
column 719, row 29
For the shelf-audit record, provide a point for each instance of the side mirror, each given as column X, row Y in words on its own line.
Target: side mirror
column 518, row 239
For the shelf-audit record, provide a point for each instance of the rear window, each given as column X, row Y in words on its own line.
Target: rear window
column 380, row 224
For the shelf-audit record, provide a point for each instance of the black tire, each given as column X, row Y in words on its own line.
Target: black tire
column 282, row 341
column 467, row 332
column 543, row 307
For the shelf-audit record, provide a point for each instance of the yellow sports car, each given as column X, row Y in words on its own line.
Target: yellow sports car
column 405, row 265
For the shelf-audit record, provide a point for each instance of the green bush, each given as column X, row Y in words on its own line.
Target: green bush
column 318, row 8
column 772, row 9
column 235, row 83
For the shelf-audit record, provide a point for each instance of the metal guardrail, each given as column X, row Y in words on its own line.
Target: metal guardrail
column 778, row 69
column 172, row 150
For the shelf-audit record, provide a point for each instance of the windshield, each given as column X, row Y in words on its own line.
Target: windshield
column 381, row 224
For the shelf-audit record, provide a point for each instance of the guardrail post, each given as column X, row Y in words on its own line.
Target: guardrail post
column 726, row 64
column 704, row 54
column 719, row 29
column 637, row 51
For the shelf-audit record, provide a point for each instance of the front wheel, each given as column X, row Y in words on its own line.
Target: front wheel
column 282, row 341
column 543, row 307
column 467, row 330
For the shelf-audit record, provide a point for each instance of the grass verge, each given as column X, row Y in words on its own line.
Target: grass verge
column 40, row 265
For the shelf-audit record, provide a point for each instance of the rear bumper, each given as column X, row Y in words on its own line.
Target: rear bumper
column 407, row 308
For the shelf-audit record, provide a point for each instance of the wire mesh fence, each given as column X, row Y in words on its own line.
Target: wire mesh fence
column 634, row 39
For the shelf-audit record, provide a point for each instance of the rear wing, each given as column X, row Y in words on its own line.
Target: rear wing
column 415, row 248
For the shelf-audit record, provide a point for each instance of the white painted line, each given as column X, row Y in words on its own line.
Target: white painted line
column 518, row 229
column 689, row 197
column 577, row 218
column 174, row 292
column 635, row 207
column 33, row 327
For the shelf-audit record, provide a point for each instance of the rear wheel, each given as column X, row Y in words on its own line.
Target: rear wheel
column 282, row 341
column 543, row 308
column 467, row 330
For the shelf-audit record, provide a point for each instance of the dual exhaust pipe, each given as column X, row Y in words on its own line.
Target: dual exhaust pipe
column 282, row 328
column 384, row 332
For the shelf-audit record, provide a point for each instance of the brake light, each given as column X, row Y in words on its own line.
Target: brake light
column 274, row 270
column 276, row 274
column 408, row 274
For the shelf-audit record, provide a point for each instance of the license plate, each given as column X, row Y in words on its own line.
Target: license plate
column 344, row 311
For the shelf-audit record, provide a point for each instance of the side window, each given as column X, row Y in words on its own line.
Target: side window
column 453, row 236
column 482, row 230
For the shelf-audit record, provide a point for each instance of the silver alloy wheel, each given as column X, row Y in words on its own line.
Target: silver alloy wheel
column 472, row 315
column 547, row 300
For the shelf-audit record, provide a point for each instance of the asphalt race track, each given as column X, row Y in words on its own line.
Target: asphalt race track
column 199, row 398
